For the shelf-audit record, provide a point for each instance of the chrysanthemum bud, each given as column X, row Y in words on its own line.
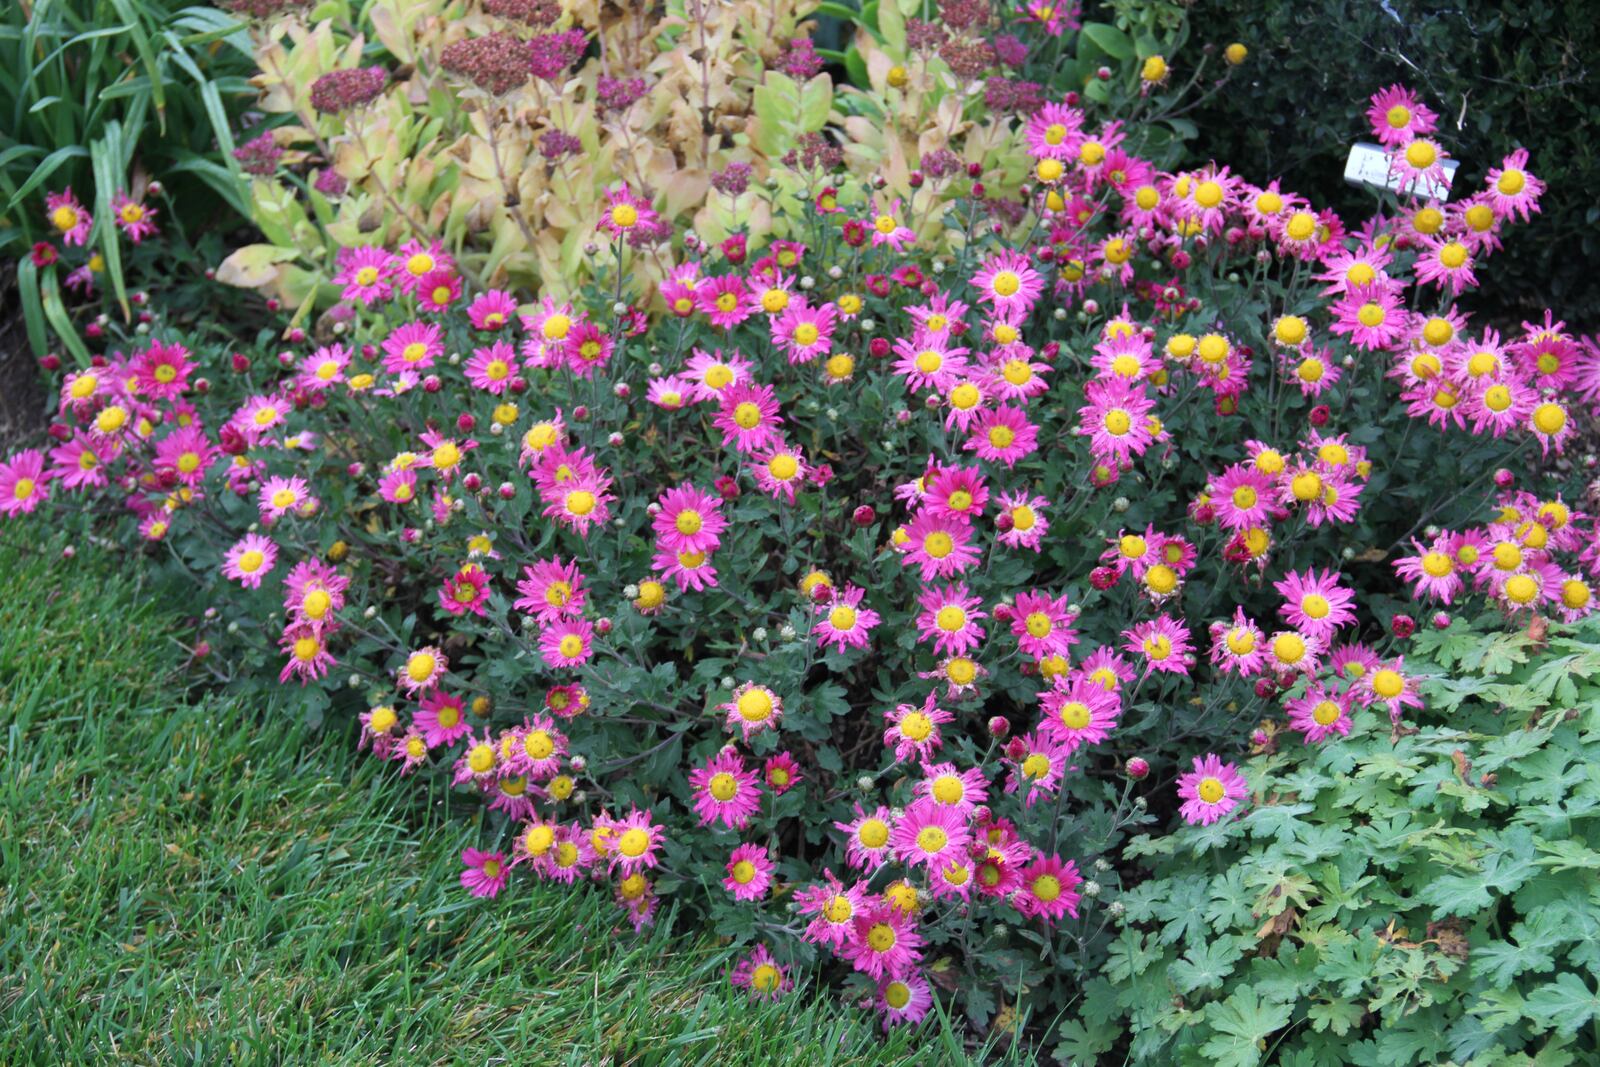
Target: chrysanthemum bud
column 1090, row 888
column 1137, row 768
column 727, row 488
column 472, row 482
column 1402, row 626
column 580, row 413
column 1265, row 688
column 1504, row 478
column 602, row 625
column 999, row 727
column 241, row 362
column 864, row 515
column 432, row 383
column 615, row 439
column 622, row 390
column 507, row 491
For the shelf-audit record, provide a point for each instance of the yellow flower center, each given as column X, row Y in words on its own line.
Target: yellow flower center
column 755, row 705
column 916, row 726
column 1210, row 790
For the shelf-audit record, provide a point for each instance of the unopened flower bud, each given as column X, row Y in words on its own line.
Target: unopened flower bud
column 1137, row 768
column 1402, row 626
column 999, row 727
column 864, row 515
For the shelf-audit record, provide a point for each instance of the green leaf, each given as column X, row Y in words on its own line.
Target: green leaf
column 1110, row 40
column 1338, row 1017
column 42, row 172
column 1241, row 1026
column 56, row 313
column 32, row 309
column 1206, row 965
column 1564, row 1005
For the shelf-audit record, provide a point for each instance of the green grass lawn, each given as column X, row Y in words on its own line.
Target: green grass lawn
column 210, row 884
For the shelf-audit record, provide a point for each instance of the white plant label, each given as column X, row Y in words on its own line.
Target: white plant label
column 1369, row 165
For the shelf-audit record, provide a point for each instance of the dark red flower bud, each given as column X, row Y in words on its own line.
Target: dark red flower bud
column 864, row 515
column 1402, row 626
column 999, row 726
column 1137, row 768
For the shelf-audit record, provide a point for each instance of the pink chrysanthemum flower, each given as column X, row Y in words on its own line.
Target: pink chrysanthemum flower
column 1432, row 571
column 306, row 646
column 956, row 491
column 1041, row 625
column 1053, row 132
column 1319, row 713
column 887, row 228
column 1387, row 683
column 1017, row 376
column 713, row 373
column 938, row 546
column 1049, row 889
column 588, row 349
column 726, row 300
column 868, row 833
column 410, row 750
column 581, row 503
column 950, row 618
column 913, row 732
column 535, row 748
column 486, row 872
column 748, row 418
column 670, row 393
column 323, row 369
column 804, row 333
column 903, row 1001
column 548, row 328
column 1446, row 263
column 885, row 943
column 961, row 791
column 437, row 290
column 928, row 364
column 834, row 906
column 1513, row 192
column 635, row 841
column 492, row 309
column 161, row 372
column 491, row 369
column 688, row 570
column 929, row 834
column 551, row 590
column 1038, row 767
column 1315, row 603
column 412, row 346
column 1079, row 713
column 423, row 669
column 442, row 718
column 1021, row 521
column 477, row 763
column 465, row 592
column 1008, row 283
column 1294, row 652
column 749, row 873
column 1003, row 435
column 566, row 642
column 780, row 471
column 1371, row 316
column 1115, row 420
column 626, row 213
column 249, row 560
column 1163, row 643
column 81, row 463
column 1210, row 791
column 724, row 791
column 752, row 709
column 689, row 520
column 398, row 487
column 759, row 974
column 1238, row 647
column 364, row 274
column 279, row 496
column 68, row 217
column 1399, row 117
column 781, row 773
column 415, row 261
column 843, row 622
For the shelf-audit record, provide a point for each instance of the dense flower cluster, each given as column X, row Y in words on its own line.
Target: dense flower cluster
column 809, row 583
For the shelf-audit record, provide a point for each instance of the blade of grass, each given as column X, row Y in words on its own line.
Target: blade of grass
column 56, row 313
